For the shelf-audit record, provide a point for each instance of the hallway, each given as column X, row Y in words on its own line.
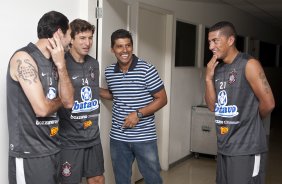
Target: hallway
column 202, row 170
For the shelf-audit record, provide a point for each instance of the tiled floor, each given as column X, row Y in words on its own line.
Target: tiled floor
column 202, row 170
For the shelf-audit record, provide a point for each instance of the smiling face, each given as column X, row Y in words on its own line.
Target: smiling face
column 123, row 50
column 220, row 44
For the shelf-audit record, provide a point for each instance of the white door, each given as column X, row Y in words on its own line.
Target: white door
column 155, row 46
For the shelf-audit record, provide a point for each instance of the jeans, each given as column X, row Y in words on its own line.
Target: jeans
column 146, row 154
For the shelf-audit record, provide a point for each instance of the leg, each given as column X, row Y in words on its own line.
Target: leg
column 43, row 170
column 93, row 166
column 221, row 173
column 71, row 166
column 12, row 170
column 96, row 180
column 148, row 161
column 241, row 169
column 122, row 159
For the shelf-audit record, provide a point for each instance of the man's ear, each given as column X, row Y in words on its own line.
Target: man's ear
column 60, row 32
column 231, row 40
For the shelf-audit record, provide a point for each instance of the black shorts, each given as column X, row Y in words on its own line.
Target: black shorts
column 246, row 169
column 78, row 163
column 43, row 170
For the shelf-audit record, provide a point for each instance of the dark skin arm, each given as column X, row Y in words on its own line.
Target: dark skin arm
column 160, row 100
column 258, row 81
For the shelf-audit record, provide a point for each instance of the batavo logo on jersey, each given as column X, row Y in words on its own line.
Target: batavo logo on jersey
column 222, row 109
column 224, row 130
column 54, row 131
column 87, row 104
column 87, row 124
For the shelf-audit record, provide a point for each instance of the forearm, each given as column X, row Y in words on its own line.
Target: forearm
column 49, row 107
column 105, row 93
column 159, row 102
column 210, row 95
column 66, row 91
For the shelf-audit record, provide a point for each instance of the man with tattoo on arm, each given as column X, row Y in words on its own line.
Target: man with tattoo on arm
column 37, row 85
column 239, row 94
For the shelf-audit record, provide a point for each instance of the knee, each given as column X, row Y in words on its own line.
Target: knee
column 96, row 180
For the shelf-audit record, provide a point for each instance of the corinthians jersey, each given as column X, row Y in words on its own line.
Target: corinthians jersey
column 79, row 125
column 239, row 127
column 31, row 136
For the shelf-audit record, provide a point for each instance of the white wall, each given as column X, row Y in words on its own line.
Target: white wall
column 18, row 27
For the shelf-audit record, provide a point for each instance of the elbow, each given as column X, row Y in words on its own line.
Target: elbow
column 68, row 104
column 41, row 112
column 211, row 108
column 271, row 106
column 164, row 102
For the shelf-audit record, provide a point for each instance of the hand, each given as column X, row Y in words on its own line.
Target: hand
column 131, row 120
column 57, row 51
column 211, row 67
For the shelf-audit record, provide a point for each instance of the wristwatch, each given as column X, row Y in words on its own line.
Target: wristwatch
column 139, row 114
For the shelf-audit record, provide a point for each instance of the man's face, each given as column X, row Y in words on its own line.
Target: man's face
column 219, row 44
column 123, row 50
column 82, row 43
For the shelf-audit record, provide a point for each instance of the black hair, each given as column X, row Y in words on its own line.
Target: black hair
column 79, row 25
column 120, row 33
column 50, row 22
column 226, row 28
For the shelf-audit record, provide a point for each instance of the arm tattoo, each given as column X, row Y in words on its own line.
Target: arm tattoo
column 26, row 71
column 264, row 82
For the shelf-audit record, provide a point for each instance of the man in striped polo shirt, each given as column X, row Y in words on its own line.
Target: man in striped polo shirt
column 137, row 93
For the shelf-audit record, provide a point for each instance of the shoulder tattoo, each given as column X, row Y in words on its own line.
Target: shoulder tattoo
column 27, row 71
column 264, row 82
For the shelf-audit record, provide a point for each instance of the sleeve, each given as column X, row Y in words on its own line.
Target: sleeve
column 153, row 81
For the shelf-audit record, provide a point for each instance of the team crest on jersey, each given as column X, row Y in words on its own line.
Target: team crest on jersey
column 87, row 104
column 51, row 94
column 54, row 131
column 66, row 169
column 232, row 77
column 222, row 109
column 91, row 73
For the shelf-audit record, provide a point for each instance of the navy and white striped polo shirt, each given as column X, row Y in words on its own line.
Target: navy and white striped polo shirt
column 131, row 91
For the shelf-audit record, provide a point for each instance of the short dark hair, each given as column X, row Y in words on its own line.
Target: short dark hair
column 79, row 25
column 120, row 33
column 227, row 28
column 50, row 22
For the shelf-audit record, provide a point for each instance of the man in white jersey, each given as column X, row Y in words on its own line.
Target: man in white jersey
column 137, row 93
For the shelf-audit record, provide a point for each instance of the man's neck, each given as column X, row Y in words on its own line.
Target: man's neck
column 77, row 57
column 42, row 46
column 231, row 56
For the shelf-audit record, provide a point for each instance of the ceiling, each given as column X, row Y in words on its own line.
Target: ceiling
column 268, row 11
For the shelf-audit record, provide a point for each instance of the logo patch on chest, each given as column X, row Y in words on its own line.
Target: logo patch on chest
column 232, row 77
